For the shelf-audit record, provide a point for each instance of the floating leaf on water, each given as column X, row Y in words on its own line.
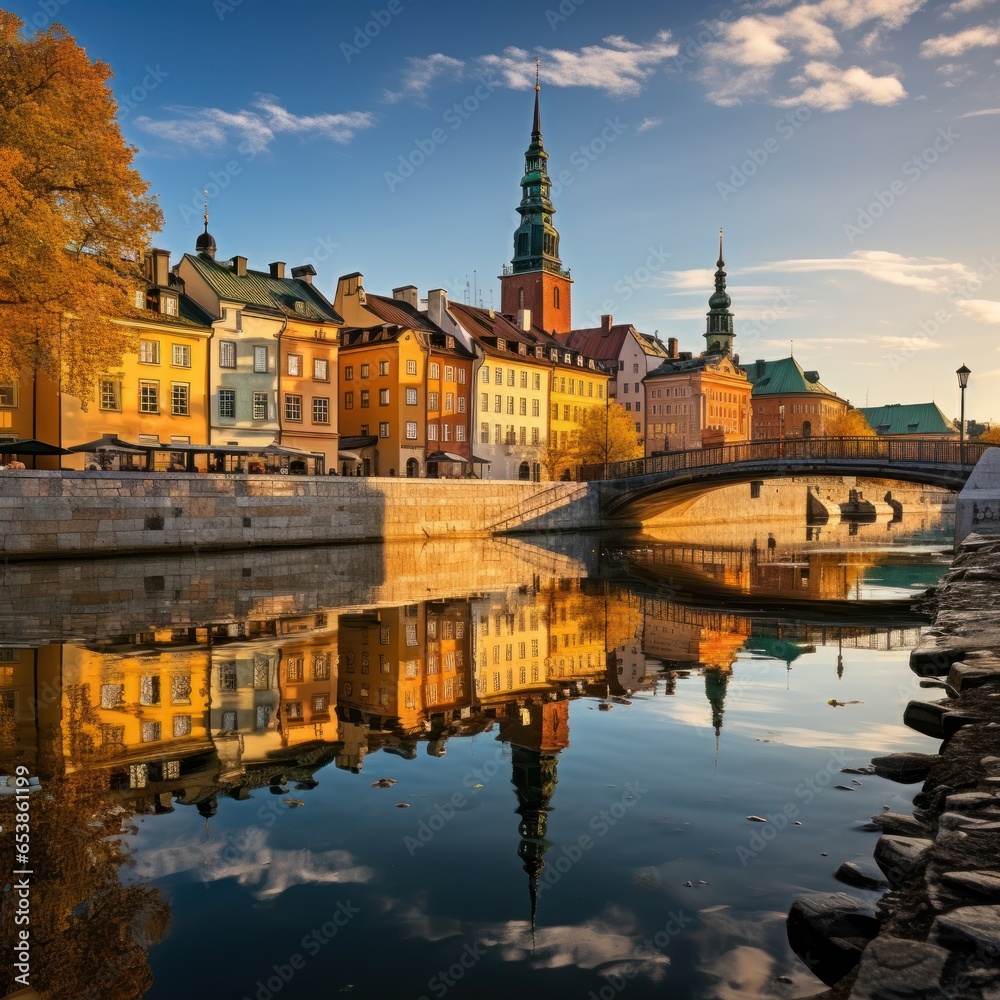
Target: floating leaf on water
column 294, row 802
column 402, row 805
column 384, row 783
column 756, row 819
column 477, row 786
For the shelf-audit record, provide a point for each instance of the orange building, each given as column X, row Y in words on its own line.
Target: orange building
column 789, row 402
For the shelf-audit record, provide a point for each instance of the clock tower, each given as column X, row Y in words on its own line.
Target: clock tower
column 535, row 278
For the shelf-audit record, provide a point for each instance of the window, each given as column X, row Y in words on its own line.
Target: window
column 522, row 406
column 411, row 367
column 237, row 318
column 260, row 359
column 383, row 368
column 182, row 725
column 497, row 434
column 511, row 375
column 149, row 690
column 432, row 401
column 111, row 395
column 522, row 436
column 227, row 404
column 150, row 732
column 484, row 433
column 498, row 404
column 365, row 369
column 321, row 409
column 510, row 404
column 227, row 353
column 112, row 695
column 501, row 345
column 537, row 381
column 321, row 370
column 149, row 397
column 485, row 402
column 260, row 406
column 348, row 373
column 149, row 352
column 447, row 431
column 411, row 397
column 181, row 355
column 294, row 669
column 460, row 432
column 432, row 432
column 321, row 704
column 321, row 667
column 293, row 406
column 383, row 397
column 411, row 430
column 294, row 364
column 534, row 435
column 348, row 400
column 293, row 709
column 411, row 635
column 449, row 402
column 461, row 376
column 365, row 397
column 486, row 373
column 383, row 429
column 498, row 376
column 434, row 370
column 449, row 373
column 227, row 678
column 625, row 388
column 461, row 404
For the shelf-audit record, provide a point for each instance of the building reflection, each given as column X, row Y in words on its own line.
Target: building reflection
column 148, row 723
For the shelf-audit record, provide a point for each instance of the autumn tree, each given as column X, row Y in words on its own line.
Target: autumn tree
column 558, row 455
column 607, row 434
column 74, row 213
column 991, row 436
column 849, row 423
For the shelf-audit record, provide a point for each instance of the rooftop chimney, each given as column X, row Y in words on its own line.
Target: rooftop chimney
column 161, row 267
column 437, row 304
column 277, row 269
column 759, row 365
column 685, row 356
column 672, row 347
column 524, row 319
column 304, row 272
column 606, row 322
column 407, row 294
column 240, row 266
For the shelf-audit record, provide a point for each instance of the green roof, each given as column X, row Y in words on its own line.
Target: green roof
column 258, row 288
column 908, row 418
column 784, row 377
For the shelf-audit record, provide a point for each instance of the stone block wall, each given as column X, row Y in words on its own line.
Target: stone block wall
column 50, row 514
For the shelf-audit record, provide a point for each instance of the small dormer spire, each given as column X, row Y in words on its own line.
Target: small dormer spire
column 720, row 262
column 206, row 242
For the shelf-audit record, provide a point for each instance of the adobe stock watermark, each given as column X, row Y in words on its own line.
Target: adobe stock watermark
column 131, row 99
column 223, row 8
column 913, row 169
column 282, row 973
column 444, row 979
column 443, row 813
column 690, row 49
column 629, row 284
column 218, row 181
column 454, row 118
column 323, row 251
column 45, row 15
column 601, row 823
column 649, row 948
column 785, row 128
column 565, row 10
column 366, row 33
column 781, row 306
column 806, row 791
column 930, row 329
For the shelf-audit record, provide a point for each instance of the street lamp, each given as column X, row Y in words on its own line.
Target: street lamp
column 963, row 374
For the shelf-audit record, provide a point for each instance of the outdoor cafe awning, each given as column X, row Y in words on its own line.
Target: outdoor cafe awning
column 446, row 456
column 111, row 442
column 31, row 446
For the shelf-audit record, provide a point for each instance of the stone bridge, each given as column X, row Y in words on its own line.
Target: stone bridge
column 639, row 488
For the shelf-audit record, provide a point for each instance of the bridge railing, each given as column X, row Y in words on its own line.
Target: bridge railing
column 873, row 449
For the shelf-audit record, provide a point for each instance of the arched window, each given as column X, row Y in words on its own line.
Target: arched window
column 412, row 468
column 555, row 297
column 807, row 428
column 524, row 471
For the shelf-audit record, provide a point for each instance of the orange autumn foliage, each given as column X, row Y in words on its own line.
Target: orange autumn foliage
column 75, row 215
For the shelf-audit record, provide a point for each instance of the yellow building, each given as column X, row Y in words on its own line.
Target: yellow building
column 307, row 679
column 577, row 384
column 157, row 396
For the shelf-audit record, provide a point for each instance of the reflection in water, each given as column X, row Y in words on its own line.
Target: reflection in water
column 209, row 714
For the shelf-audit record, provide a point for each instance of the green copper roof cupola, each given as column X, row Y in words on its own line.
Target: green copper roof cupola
column 719, row 333
column 536, row 242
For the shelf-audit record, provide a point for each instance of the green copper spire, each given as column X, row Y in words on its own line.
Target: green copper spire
column 719, row 333
column 536, row 242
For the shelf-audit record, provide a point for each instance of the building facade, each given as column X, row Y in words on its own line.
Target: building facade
column 789, row 402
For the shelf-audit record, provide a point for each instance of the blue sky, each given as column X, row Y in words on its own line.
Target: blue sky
column 848, row 148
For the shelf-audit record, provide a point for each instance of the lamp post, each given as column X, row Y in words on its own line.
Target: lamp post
column 963, row 374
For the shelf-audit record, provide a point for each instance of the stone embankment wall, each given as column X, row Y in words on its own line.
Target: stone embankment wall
column 938, row 933
column 72, row 514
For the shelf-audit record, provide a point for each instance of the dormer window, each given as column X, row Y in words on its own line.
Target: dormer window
column 168, row 305
column 554, row 354
column 539, row 352
column 579, row 361
column 501, row 344
column 522, row 348
column 450, row 343
column 140, row 299
column 568, row 358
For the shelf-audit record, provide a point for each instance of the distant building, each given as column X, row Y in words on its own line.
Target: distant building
column 789, row 402
column 922, row 420
column 703, row 401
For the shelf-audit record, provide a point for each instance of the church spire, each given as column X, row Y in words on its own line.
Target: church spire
column 536, row 125
column 719, row 333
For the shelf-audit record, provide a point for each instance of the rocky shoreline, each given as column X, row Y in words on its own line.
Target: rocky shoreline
column 936, row 932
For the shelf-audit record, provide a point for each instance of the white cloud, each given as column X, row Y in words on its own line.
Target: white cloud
column 926, row 274
column 209, row 128
column 421, row 73
column 831, row 89
column 976, row 114
column 909, row 343
column 965, row 7
column 985, row 310
column 648, row 123
column 952, row 46
column 617, row 66
column 805, row 38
